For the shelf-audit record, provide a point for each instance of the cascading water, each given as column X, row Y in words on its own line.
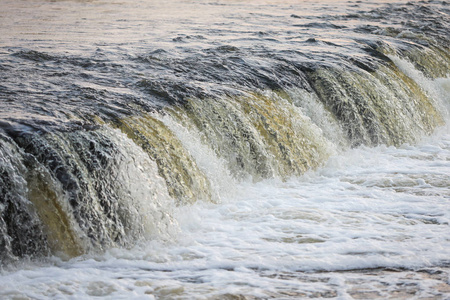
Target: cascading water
column 223, row 155
column 81, row 190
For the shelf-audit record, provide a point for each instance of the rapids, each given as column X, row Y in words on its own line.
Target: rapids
column 224, row 149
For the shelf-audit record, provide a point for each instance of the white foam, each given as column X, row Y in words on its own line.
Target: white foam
column 366, row 208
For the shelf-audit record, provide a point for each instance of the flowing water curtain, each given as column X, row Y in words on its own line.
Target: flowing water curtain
column 313, row 108
column 186, row 183
column 81, row 191
column 429, row 54
column 261, row 135
column 21, row 229
column 378, row 106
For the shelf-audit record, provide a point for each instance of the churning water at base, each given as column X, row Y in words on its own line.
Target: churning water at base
column 224, row 150
column 371, row 223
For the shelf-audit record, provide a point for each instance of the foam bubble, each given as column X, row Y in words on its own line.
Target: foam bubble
column 373, row 221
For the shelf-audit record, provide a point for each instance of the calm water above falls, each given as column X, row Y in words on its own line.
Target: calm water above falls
column 224, row 149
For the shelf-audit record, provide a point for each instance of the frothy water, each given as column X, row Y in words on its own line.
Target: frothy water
column 224, row 150
column 371, row 223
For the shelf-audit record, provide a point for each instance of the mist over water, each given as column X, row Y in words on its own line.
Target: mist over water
column 224, row 149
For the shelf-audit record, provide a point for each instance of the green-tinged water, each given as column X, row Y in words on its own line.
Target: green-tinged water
column 224, row 149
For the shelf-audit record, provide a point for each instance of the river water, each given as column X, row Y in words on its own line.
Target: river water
column 224, row 149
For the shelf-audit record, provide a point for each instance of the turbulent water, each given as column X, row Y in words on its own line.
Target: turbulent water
column 224, row 149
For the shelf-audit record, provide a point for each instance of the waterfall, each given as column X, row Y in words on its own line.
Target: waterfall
column 92, row 167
